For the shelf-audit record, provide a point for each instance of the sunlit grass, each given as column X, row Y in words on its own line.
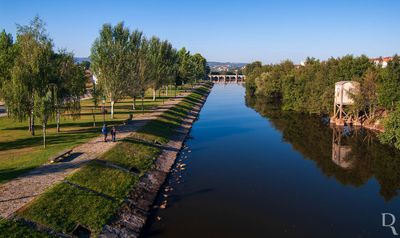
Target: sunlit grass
column 65, row 206
column 105, row 180
column 132, row 153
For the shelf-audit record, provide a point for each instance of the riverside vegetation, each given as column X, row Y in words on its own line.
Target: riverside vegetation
column 310, row 136
column 88, row 197
column 310, row 88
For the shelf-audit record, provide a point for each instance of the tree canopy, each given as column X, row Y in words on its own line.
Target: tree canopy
column 36, row 82
column 310, row 87
column 127, row 63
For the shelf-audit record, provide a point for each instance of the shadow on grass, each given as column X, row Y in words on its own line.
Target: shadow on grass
column 38, row 128
column 51, row 139
column 65, row 136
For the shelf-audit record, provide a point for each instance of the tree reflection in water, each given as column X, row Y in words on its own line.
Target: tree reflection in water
column 352, row 156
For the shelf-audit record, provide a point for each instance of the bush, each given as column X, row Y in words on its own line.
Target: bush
column 391, row 135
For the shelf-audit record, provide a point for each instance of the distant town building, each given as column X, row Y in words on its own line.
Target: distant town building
column 382, row 62
column 225, row 67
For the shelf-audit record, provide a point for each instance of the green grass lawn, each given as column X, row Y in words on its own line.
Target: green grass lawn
column 96, row 176
column 132, row 153
column 64, row 206
column 20, row 152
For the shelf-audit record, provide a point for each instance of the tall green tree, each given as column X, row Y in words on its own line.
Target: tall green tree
column 388, row 87
column 133, row 82
column 144, row 68
column 31, row 73
column 110, row 61
column 7, row 55
column 68, row 86
column 167, row 69
column 366, row 98
column 155, row 52
column 171, row 70
column 185, row 70
column 200, row 66
column 44, row 108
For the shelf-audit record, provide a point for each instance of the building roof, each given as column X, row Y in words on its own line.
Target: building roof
column 382, row 59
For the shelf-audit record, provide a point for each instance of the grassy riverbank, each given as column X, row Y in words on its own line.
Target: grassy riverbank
column 91, row 196
column 21, row 152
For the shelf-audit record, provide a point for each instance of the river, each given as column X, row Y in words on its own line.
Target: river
column 251, row 170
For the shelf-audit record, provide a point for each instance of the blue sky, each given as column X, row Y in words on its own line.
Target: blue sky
column 235, row 31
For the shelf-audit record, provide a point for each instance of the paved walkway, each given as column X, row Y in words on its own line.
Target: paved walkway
column 18, row 192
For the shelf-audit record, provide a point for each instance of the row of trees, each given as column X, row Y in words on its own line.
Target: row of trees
column 310, row 88
column 35, row 81
column 38, row 83
column 126, row 64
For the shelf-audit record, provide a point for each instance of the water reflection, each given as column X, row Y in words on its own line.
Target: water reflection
column 340, row 151
column 350, row 155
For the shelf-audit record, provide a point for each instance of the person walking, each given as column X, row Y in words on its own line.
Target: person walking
column 104, row 131
column 113, row 133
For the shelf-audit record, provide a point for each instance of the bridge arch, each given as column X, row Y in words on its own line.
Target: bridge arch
column 225, row 78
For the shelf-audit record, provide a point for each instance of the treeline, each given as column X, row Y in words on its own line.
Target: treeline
column 35, row 81
column 310, row 88
column 127, row 63
column 38, row 83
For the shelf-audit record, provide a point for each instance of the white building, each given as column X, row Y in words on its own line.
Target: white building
column 382, row 62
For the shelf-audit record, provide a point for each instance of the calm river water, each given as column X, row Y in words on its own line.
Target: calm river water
column 251, row 170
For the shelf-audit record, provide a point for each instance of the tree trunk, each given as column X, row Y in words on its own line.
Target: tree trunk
column 166, row 91
column 33, row 125
column 175, row 90
column 58, row 120
column 94, row 118
column 154, row 94
column 30, row 123
column 44, row 135
column 159, row 92
column 112, row 109
column 134, row 103
column 142, row 104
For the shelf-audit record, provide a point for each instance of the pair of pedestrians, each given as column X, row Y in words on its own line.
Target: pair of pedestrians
column 104, row 131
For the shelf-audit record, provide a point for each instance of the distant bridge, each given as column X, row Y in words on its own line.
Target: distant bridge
column 226, row 78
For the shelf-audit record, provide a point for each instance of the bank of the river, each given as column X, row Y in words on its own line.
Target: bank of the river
column 133, row 214
column 98, row 193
